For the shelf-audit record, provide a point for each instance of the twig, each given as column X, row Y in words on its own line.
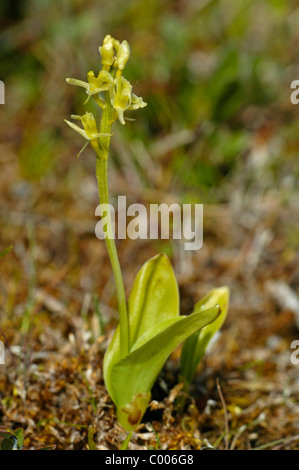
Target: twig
column 288, row 440
column 226, row 437
column 237, row 435
column 278, row 443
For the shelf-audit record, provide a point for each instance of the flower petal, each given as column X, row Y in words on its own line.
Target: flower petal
column 77, row 129
column 74, row 81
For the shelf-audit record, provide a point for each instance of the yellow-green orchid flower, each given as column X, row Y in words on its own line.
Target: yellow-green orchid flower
column 122, row 55
column 121, row 97
column 115, row 56
column 107, row 51
column 94, row 85
column 89, row 131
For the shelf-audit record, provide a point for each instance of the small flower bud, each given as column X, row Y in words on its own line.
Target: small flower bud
column 107, row 51
column 89, row 131
column 116, row 44
column 123, row 54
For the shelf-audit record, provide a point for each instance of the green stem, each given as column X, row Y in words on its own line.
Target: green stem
column 181, row 399
column 125, row 444
column 102, row 178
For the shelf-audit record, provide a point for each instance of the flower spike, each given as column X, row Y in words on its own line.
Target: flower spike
column 115, row 56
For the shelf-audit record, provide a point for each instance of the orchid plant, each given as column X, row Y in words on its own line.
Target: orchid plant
column 150, row 326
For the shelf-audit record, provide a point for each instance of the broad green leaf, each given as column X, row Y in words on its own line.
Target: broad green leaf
column 195, row 346
column 132, row 378
column 156, row 329
column 154, row 298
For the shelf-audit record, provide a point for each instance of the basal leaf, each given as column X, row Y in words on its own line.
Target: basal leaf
column 133, row 377
column 195, row 346
column 154, row 298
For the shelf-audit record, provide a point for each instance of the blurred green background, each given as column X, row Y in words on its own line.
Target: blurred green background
column 216, row 76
